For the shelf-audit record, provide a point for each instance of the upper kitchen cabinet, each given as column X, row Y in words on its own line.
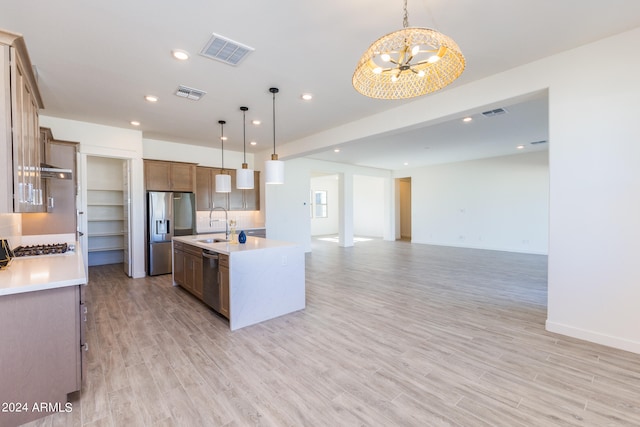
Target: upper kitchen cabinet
column 238, row 200
column 206, row 196
column 169, row 176
column 21, row 188
column 246, row 200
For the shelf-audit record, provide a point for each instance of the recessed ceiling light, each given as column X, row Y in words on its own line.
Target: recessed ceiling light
column 151, row 98
column 180, row 55
column 255, row 122
column 337, row 150
column 467, row 119
column 224, row 138
column 307, row 96
column 253, row 143
column 520, row 147
column 406, row 163
column 135, row 123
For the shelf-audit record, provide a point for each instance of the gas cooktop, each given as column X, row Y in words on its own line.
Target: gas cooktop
column 34, row 250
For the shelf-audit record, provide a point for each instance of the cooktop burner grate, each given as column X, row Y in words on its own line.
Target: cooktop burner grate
column 33, row 250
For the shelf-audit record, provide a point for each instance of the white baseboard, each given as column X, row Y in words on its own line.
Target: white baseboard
column 595, row 337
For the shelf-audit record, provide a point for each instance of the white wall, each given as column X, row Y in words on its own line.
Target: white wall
column 594, row 280
column 107, row 141
column 593, row 174
column 501, row 203
column 328, row 225
column 287, row 205
column 203, row 156
column 368, row 205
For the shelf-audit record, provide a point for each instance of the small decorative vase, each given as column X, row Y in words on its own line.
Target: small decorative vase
column 242, row 237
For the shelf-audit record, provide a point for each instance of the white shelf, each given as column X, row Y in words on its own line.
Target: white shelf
column 105, row 249
column 114, row 233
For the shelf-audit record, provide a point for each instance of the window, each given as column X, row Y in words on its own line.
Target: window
column 320, row 204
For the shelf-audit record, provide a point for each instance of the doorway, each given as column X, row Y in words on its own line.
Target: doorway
column 404, row 185
column 108, row 212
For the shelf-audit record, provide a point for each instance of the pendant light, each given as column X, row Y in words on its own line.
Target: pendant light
column 223, row 181
column 407, row 63
column 244, row 176
column 274, row 168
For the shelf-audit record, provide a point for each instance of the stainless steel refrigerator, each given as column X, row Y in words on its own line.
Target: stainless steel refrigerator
column 169, row 214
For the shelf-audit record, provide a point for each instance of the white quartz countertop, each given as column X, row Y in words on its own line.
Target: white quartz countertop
column 252, row 244
column 37, row 273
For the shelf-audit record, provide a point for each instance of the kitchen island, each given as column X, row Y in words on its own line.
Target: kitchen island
column 266, row 278
column 42, row 316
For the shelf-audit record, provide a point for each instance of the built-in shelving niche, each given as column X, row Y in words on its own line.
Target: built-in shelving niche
column 106, row 211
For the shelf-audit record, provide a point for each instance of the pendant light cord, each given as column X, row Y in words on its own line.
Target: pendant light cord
column 222, row 122
column 405, row 21
column 244, row 135
column 274, row 121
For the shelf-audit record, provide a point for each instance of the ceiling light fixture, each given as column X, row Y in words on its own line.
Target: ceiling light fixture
column 253, row 143
column 255, row 122
column 467, row 119
column 520, row 147
column 135, row 123
column 180, row 55
column 244, row 176
column 407, row 63
column 274, row 168
column 151, row 98
column 223, row 181
column 306, row 96
column 337, row 150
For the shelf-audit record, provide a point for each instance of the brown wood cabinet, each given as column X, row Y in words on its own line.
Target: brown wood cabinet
column 206, row 196
column 237, row 200
column 187, row 268
column 160, row 175
column 42, row 349
column 178, row 263
column 246, row 200
column 20, row 101
column 223, row 269
column 204, row 178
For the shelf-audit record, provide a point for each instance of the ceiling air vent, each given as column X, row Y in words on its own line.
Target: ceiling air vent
column 190, row 93
column 224, row 50
column 539, row 142
column 496, row 112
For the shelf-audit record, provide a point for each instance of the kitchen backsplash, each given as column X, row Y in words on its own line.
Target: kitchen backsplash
column 11, row 228
column 244, row 220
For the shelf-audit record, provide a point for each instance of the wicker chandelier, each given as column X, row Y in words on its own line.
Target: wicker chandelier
column 407, row 63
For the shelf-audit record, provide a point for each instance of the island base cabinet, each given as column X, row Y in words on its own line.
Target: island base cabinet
column 223, row 269
column 187, row 268
column 41, row 354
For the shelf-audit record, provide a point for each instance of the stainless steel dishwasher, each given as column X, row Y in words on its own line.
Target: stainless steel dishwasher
column 210, row 280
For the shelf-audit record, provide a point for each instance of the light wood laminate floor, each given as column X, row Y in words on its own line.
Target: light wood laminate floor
column 394, row 334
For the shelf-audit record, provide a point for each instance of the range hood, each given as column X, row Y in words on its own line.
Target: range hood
column 48, row 171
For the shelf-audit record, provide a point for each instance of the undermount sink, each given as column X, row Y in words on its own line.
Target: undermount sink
column 216, row 240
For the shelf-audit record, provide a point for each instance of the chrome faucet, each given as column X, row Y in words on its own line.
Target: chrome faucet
column 226, row 220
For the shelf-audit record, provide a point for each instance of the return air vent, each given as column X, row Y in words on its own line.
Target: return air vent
column 539, row 142
column 496, row 112
column 190, row 93
column 225, row 50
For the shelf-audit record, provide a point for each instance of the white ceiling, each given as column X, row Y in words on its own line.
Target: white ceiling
column 97, row 60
